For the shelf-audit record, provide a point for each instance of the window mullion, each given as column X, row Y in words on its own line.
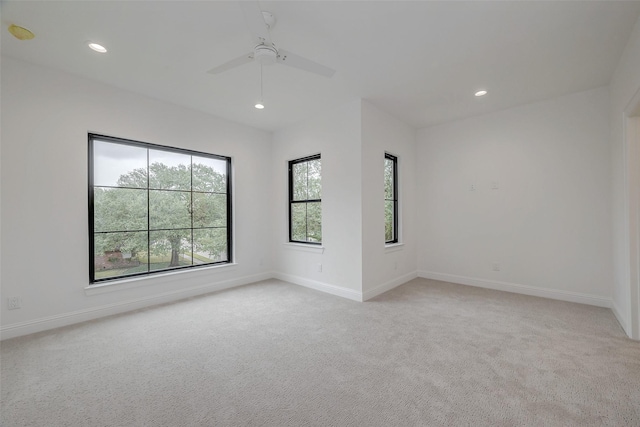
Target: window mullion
column 306, row 221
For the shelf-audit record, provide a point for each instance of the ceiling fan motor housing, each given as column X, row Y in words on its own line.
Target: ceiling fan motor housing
column 264, row 51
column 266, row 55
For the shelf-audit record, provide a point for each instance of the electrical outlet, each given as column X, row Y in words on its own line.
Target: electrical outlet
column 13, row 303
column 472, row 187
column 496, row 266
column 319, row 267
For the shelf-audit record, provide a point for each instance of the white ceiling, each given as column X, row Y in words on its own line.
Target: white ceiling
column 421, row 61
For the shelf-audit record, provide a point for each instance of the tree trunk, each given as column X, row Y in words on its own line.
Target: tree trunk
column 175, row 261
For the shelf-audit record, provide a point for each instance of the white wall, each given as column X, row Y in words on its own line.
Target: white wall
column 548, row 222
column 336, row 135
column 46, row 116
column 385, row 268
column 624, row 85
column 352, row 140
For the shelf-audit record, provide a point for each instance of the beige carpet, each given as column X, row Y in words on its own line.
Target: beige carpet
column 274, row 354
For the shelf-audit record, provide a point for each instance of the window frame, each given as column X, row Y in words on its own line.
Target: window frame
column 395, row 237
column 291, row 163
column 149, row 146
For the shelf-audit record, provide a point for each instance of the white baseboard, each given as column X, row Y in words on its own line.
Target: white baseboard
column 385, row 287
column 624, row 323
column 520, row 289
column 64, row 319
column 320, row 286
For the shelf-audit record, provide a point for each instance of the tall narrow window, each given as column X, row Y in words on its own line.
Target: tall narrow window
column 305, row 200
column 154, row 208
column 390, row 198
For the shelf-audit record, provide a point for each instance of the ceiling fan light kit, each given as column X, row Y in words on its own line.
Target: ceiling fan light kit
column 266, row 55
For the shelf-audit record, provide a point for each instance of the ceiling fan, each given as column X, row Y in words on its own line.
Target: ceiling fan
column 265, row 52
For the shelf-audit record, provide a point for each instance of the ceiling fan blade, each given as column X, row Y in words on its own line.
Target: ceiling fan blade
column 255, row 22
column 241, row 60
column 297, row 61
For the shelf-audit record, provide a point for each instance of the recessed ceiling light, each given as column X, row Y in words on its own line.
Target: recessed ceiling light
column 259, row 105
column 481, row 93
column 97, row 47
column 20, row 33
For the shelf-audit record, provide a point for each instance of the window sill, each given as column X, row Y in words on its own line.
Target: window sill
column 316, row 249
column 393, row 247
column 139, row 281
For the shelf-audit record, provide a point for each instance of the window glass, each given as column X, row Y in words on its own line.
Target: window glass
column 119, row 209
column 390, row 199
column 112, row 161
column 169, row 171
column 155, row 208
column 305, row 200
column 209, row 175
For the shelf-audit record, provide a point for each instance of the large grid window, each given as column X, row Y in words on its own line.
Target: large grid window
column 305, row 200
column 390, row 198
column 155, row 208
